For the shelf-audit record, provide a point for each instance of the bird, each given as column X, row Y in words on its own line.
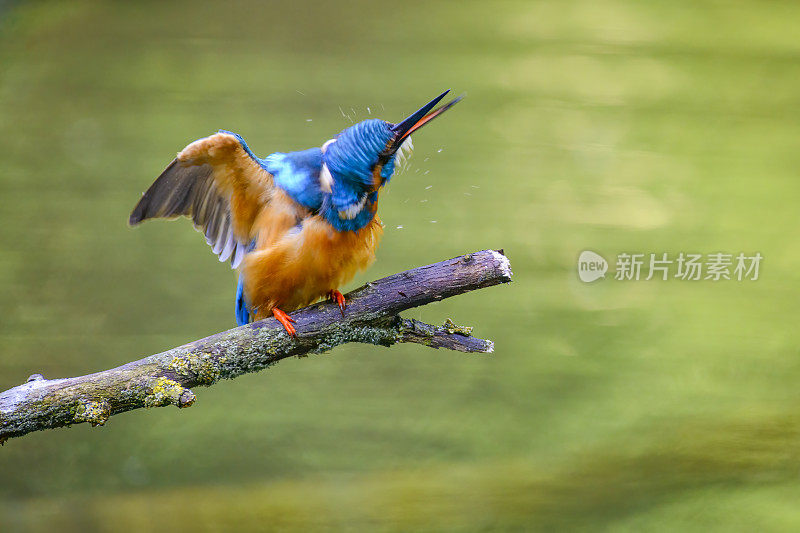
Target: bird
column 297, row 225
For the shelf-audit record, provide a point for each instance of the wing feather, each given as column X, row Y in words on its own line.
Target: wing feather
column 201, row 182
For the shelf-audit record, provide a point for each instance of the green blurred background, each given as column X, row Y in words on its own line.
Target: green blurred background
column 610, row 125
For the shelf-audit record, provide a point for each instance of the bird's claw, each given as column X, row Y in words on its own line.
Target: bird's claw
column 338, row 297
column 285, row 320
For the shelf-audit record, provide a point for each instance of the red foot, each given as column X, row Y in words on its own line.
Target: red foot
column 286, row 320
column 338, row 297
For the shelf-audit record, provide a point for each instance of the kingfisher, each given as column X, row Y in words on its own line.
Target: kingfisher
column 296, row 225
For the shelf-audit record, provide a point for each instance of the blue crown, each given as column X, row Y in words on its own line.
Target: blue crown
column 355, row 153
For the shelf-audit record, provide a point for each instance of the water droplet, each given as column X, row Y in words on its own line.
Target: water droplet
column 428, row 187
column 427, row 171
column 309, row 119
column 440, row 150
column 433, row 221
column 400, row 227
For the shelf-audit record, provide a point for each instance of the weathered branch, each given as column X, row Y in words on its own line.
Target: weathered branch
column 165, row 378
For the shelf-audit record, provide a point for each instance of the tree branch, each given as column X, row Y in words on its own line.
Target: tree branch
column 164, row 379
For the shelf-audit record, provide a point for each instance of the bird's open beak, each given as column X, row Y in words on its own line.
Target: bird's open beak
column 418, row 119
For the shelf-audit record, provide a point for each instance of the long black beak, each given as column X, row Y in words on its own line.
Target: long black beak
column 418, row 119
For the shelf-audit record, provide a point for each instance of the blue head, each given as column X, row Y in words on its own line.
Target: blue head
column 361, row 159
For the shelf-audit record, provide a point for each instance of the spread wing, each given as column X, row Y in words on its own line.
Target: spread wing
column 220, row 185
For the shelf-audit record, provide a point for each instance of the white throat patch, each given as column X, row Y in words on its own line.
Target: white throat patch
column 404, row 152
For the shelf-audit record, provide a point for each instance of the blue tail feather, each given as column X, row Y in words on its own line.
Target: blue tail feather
column 242, row 309
column 244, row 315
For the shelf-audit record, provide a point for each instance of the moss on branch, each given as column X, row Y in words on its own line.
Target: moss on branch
column 163, row 379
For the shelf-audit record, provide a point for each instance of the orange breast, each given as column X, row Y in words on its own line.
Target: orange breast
column 304, row 263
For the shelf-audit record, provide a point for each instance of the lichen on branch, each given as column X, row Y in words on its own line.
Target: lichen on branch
column 372, row 317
